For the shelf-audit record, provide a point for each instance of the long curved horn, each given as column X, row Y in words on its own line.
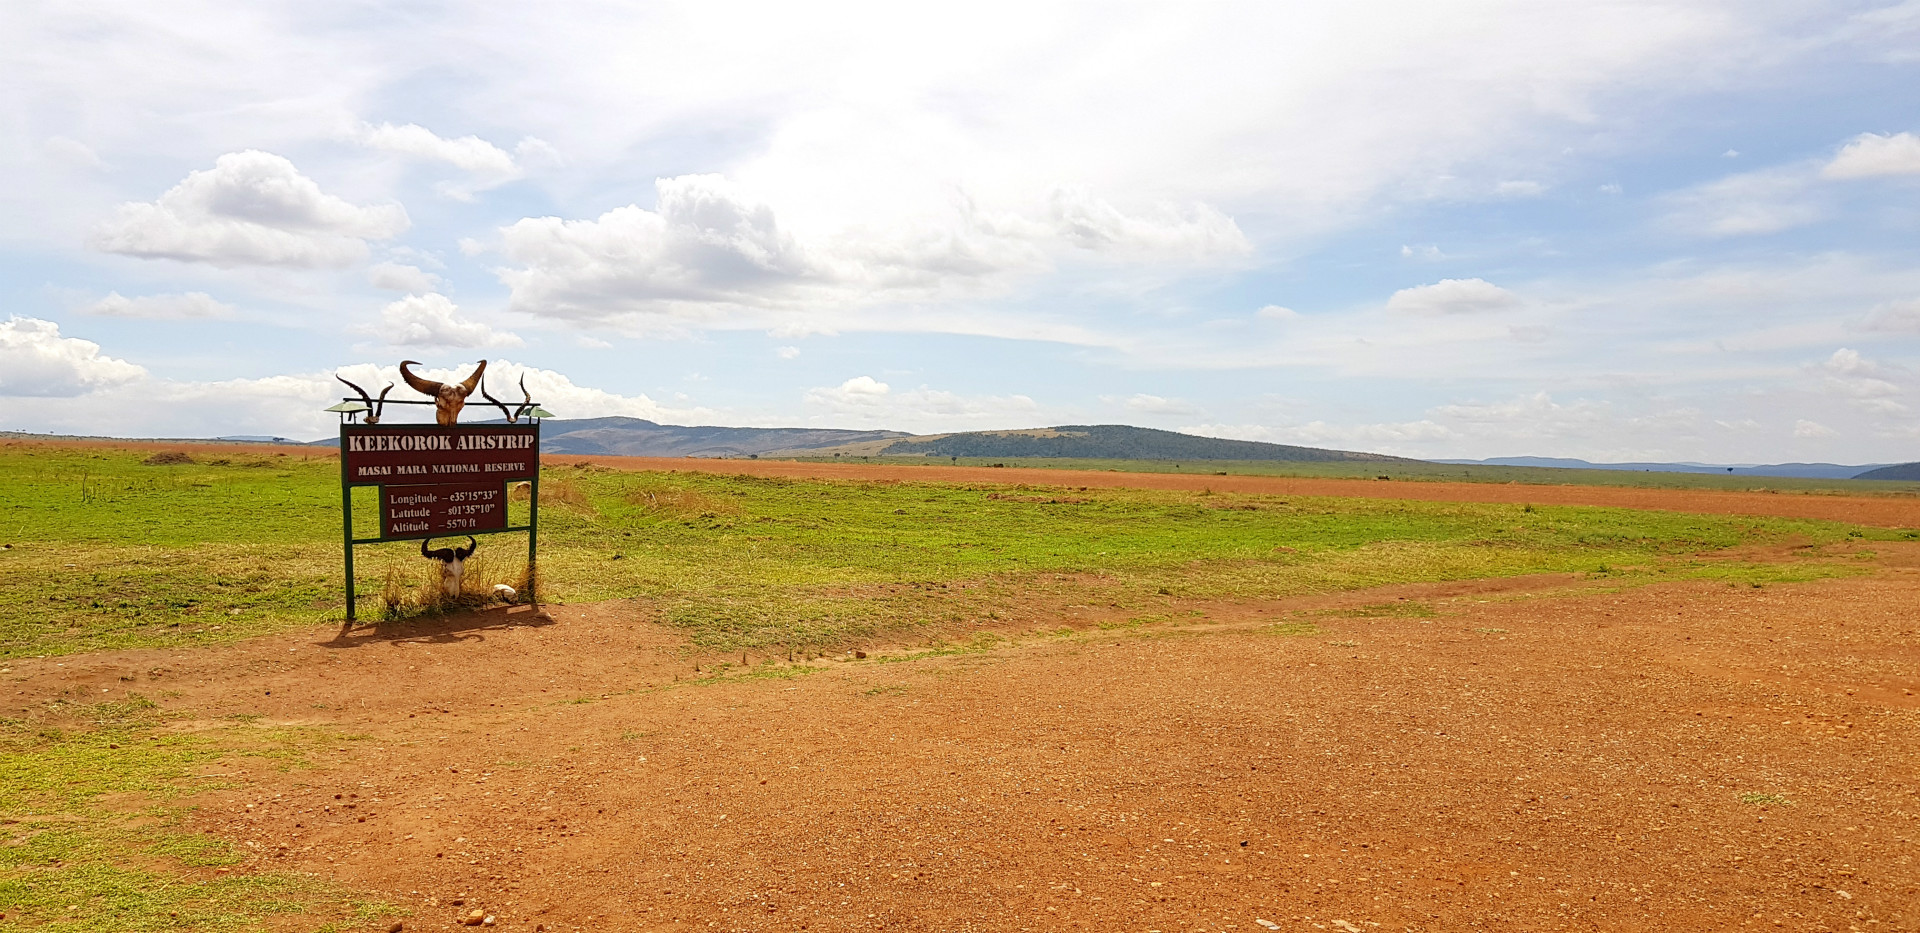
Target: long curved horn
column 527, row 405
column 443, row 555
column 380, row 406
column 373, row 407
column 466, row 552
column 512, row 417
column 363, row 393
column 426, row 387
column 466, row 388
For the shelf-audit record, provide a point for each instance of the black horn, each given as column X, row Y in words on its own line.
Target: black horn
column 445, row 555
column 512, row 416
column 466, row 552
column 374, row 406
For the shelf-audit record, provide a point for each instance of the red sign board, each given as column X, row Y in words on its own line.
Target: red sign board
column 418, row 511
column 395, row 454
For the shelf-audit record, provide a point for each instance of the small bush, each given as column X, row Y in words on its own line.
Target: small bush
column 404, row 595
column 564, row 492
column 168, row 458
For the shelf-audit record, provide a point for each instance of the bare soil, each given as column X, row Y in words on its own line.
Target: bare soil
column 1888, row 511
column 1536, row 754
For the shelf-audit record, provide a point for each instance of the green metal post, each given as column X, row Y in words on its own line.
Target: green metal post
column 533, row 525
column 346, row 522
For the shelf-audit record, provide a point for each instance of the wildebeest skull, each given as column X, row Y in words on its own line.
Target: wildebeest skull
column 452, row 563
column 448, row 398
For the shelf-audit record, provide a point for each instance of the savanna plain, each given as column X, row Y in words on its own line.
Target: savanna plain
column 780, row 696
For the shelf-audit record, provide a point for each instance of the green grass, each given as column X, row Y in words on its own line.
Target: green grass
column 108, row 553
column 93, row 835
column 102, row 551
column 1418, row 472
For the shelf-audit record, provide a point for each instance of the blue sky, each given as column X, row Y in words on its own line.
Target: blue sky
column 1605, row 230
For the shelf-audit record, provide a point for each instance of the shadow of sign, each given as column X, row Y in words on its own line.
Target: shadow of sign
column 449, row 628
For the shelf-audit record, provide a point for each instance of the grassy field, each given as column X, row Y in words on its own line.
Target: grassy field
column 80, row 857
column 1423, row 472
column 102, row 550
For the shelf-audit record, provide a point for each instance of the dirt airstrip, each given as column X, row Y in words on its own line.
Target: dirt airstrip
column 1533, row 754
column 1891, row 511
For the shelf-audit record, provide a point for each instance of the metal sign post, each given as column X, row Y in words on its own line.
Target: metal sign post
column 437, row 480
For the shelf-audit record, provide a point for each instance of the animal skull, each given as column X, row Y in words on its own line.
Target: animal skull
column 448, row 399
column 452, row 564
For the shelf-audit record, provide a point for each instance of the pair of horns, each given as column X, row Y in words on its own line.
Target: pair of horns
column 439, row 389
column 514, row 414
column 447, row 399
column 448, row 555
column 374, row 406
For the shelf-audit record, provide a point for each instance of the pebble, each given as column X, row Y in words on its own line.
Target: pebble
column 475, row 918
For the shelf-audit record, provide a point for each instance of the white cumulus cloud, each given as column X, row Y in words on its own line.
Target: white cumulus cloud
column 1871, row 155
column 290, row 405
column 864, row 401
column 36, row 362
column 1144, row 404
column 488, row 165
column 1453, row 296
column 1861, row 381
column 400, row 277
column 432, row 320
column 1812, row 429
column 188, row 305
column 709, row 249
column 559, row 393
column 252, row 208
column 1197, row 231
column 705, row 243
column 858, row 392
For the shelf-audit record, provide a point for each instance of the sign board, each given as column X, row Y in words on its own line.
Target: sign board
column 419, row 510
column 439, row 480
column 378, row 455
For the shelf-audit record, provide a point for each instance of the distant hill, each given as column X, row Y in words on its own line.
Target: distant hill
column 256, row 439
column 1906, row 471
column 636, row 437
column 1097, row 442
column 1801, row 470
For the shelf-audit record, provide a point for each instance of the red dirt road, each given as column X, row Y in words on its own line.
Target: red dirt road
column 1878, row 511
column 1530, row 756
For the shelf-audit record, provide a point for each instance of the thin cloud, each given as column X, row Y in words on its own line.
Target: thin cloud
column 160, row 307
